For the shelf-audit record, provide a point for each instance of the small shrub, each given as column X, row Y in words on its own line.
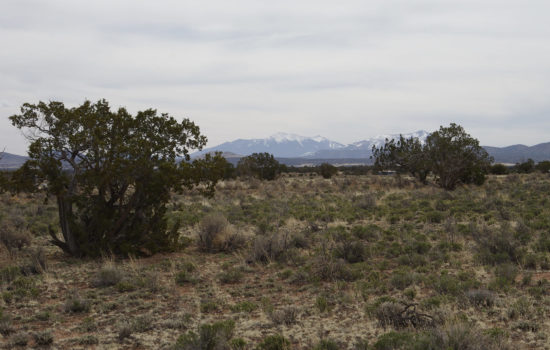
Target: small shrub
column 107, row 276
column 23, row 287
column 19, row 339
column 184, row 277
column 76, row 304
column 275, row 342
column 139, row 324
column 125, row 286
column 245, row 306
column 124, row 330
column 402, row 316
column 285, row 316
column 352, row 251
column 327, row 170
column 211, row 337
column 267, row 248
column 480, row 297
column 43, row 338
column 208, row 306
column 497, row 247
column 322, row 304
column 215, row 235
column 6, row 327
column 43, row 315
column 231, row 276
column 213, row 230
column 88, row 340
column 9, row 273
column 142, row 323
column 88, row 325
column 361, row 344
column 402, row 279
column 327, row 344
column 393, row 341
column 13, row 239
column 459, row 336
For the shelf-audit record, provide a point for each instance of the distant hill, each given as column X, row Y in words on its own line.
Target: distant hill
column 11, row 161
column 519, row 153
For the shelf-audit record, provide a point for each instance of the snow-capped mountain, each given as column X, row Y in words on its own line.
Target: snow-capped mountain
column 381, row 139
column 363, row 149
column 279, row 144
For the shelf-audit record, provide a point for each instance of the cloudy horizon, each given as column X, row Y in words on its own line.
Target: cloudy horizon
column 346, row 71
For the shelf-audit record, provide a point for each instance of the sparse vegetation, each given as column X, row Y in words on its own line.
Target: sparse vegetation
column 353, row 262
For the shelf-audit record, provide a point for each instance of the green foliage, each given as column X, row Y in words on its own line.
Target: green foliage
column 327, row 170
column 393, row 340
column 275, row 342
column 260, row 165
column 498, row 169
column 455, row 157
column 450, row 154
column 216, row 336
column 244, row 306
column 405, row 155
column 43, row 338
column 326, row 344
column 76, row 304
column 526, row 167
column 543, row 167
column 111, row 173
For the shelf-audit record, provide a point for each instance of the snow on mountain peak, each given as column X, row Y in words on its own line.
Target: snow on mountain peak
column 283, row 136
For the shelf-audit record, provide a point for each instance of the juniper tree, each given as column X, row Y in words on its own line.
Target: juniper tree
column 111, row 173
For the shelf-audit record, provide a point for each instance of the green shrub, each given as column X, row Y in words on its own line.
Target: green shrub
column 322, row 304
column 497, row 247
column 327, row 170
column 274, row 342
column 393, row 341
column 231, row 276
column 76, row 304
column 402, row 279
column 210, row 337
column 9, row 273
column 327, row 344
column 6, row 326
column 244, row 306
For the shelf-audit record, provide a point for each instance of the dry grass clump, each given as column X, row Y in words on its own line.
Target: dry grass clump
column 108, row 275
column 216, row 235
column 402, row 315
column 216, row 336
column 463, row 336
column 6, row 325
column 287, row 315
column 76, row 304
column 12, row 238
column 480, row 297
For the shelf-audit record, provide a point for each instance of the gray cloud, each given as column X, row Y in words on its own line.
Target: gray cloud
column 243, row 69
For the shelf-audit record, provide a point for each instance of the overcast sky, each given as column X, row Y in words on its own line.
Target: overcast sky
column 346, row 70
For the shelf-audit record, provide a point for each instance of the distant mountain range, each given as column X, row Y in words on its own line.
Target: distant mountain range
column 292, row 149
column 295, row 146
column 11, row 161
